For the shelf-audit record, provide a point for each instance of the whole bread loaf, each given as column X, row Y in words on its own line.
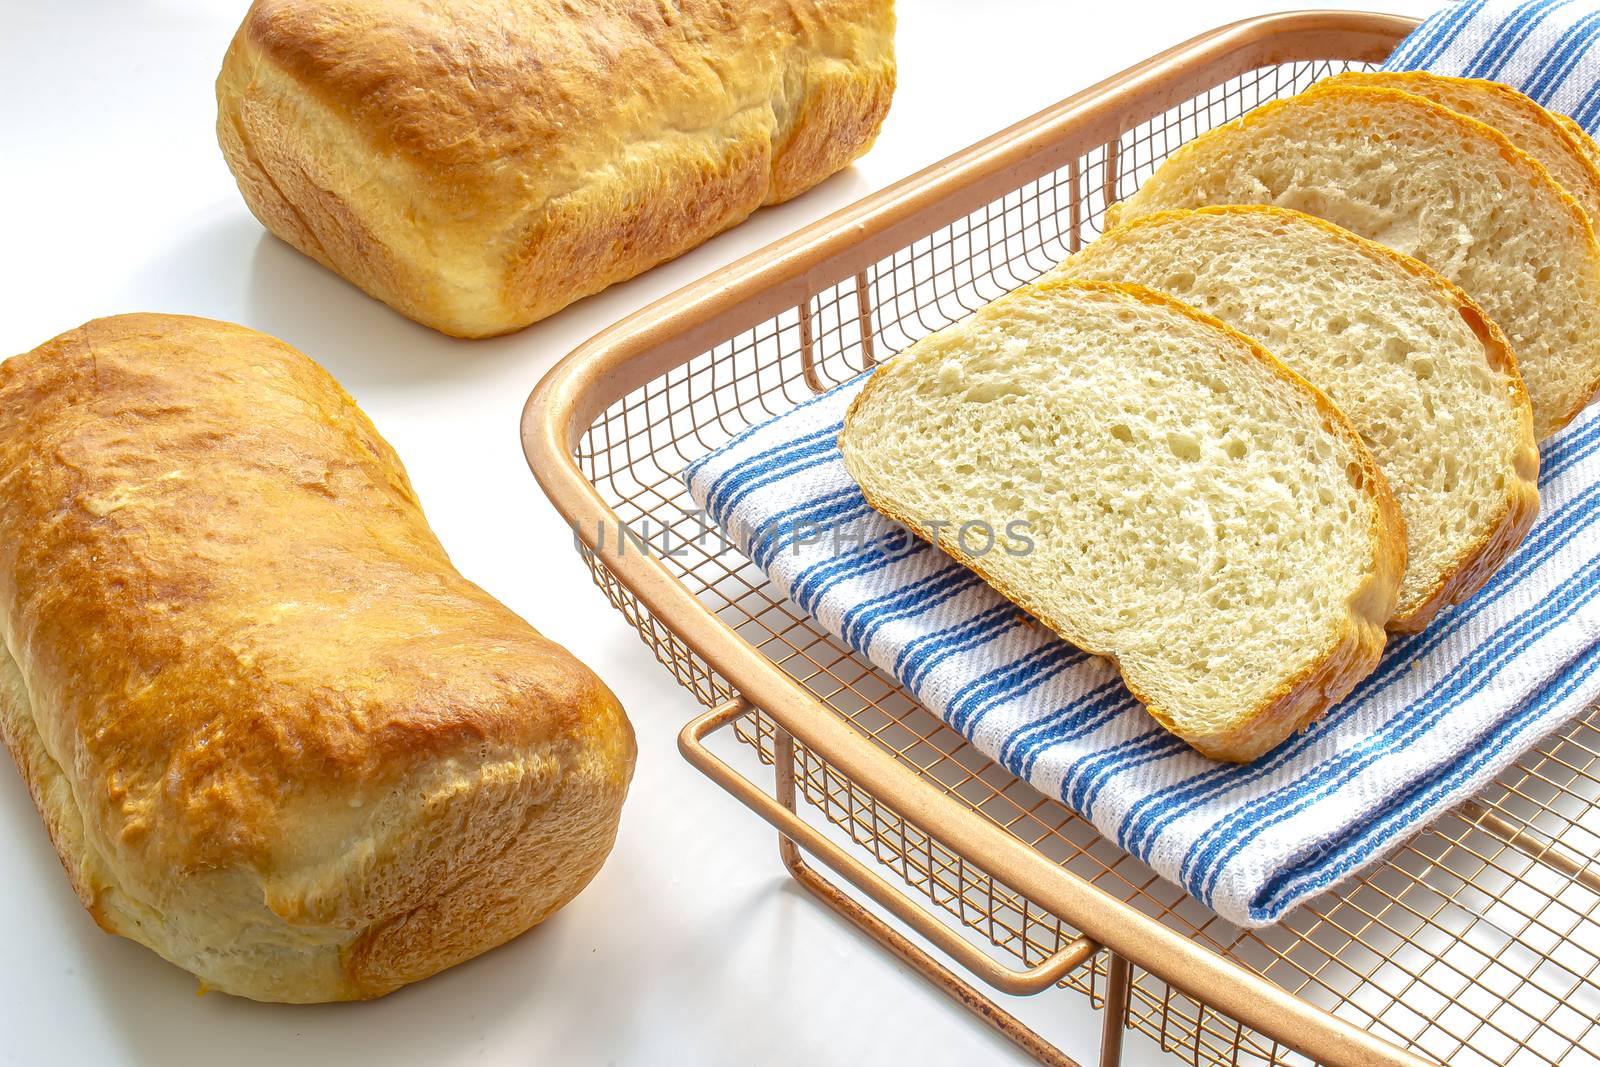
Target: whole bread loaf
column 1199, row 513
column 274, row 735
column 1435, row 184
column 1426, row 379
column 480, row 164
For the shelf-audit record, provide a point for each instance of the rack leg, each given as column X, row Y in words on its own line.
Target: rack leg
column 1115, row 1022
column 1074, row 207
column 808, row 349
column 962, row 991
column 1113, row 172
column 1542, row 849
column 864, row 319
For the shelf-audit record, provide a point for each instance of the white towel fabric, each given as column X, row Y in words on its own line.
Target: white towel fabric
column 1546, row 48
column 1445, row 711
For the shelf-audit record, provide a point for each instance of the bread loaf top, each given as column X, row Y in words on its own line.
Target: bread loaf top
column 472, row 84
column 479, row 165
column 277, row 736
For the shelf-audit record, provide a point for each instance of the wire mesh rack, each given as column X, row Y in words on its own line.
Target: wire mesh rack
column 1477, row 942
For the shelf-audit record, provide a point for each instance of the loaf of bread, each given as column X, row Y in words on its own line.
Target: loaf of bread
column 1426, row 379
column 480, row 164
column 1538, row 132
column 1432, row 183
column 1200, row 514
column 273, row 734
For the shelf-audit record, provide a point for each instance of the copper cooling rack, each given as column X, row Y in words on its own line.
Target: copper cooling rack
column 1476, row 943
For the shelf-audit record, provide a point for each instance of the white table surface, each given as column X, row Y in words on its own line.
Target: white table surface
column 692, row 946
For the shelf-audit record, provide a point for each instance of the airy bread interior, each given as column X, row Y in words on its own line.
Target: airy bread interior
column 1427, row 381
column 1538, row 132
column 1200, row 514
column 1434, row 184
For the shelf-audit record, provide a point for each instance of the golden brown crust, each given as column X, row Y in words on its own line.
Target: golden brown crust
column 1521, row 504
column 252, row 663
column 478, row 164
column 51, row 794
column 1353, row 652
column 1579, row 137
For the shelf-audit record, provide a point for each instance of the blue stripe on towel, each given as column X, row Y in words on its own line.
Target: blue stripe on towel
column 1021, row 749
column 1432, row 42
column 923, row 654
column 865, row 619
column 1588, row 110
column 1491, row 59
column 1578, row 38
column 1288, row 801
column 1423, row 799
column 982, row 694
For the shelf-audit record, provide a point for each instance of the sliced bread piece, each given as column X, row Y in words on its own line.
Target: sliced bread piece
column 1432, row 183
column 1538, row 132
column 1200, row 514
column 1425, row 378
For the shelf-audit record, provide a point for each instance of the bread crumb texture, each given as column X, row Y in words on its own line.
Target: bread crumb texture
column 1201, row 515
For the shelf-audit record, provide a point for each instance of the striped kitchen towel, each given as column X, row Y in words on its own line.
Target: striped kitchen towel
column 1445, row 711
column 1550, row 49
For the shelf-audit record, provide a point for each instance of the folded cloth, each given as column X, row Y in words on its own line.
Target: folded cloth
column 1445, row 711
column 1546, row 48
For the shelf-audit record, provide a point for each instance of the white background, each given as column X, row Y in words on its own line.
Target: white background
column 691, row 947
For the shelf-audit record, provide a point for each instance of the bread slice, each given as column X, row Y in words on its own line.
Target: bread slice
column 1199, row 513
column 1425, row 378
column 1432, row 183
column 1538, row 132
